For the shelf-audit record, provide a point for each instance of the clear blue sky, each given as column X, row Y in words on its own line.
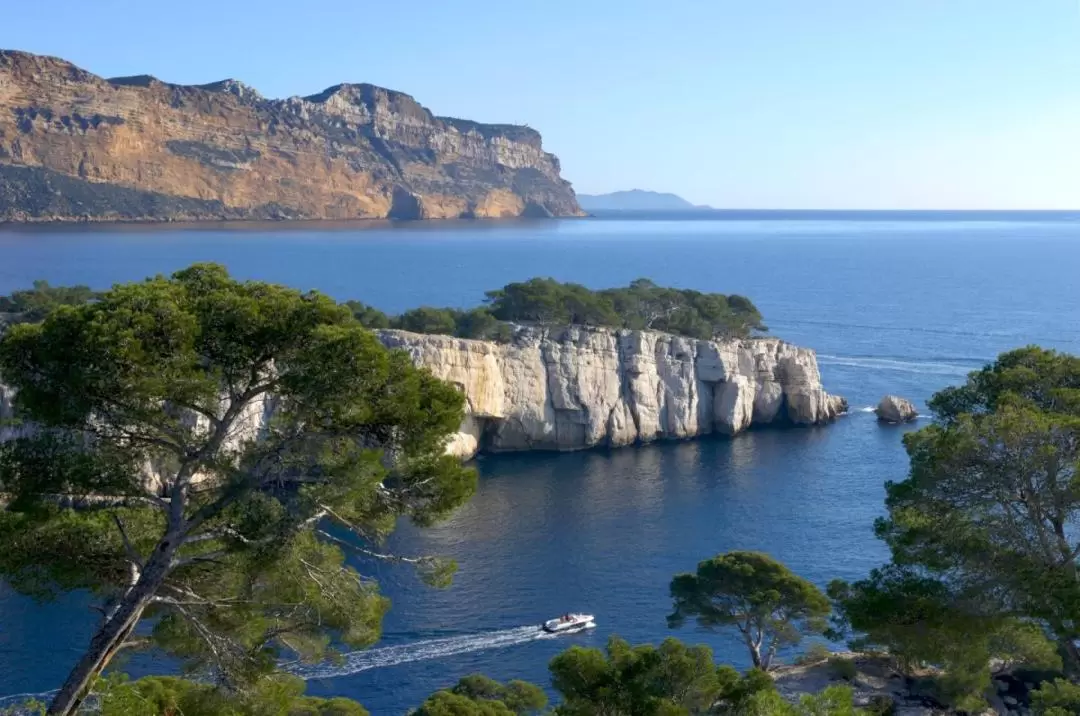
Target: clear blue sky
column 735, row 103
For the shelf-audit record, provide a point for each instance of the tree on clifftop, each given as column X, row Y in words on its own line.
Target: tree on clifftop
column 235, row 547
column 765, row 601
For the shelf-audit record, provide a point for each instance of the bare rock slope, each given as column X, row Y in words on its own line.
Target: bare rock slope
column 75, row 146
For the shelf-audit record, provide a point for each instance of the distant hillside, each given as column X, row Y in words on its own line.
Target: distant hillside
column 635, row 200
column 74, row 146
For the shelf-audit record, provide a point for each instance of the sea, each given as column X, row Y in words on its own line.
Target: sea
column 905, row 303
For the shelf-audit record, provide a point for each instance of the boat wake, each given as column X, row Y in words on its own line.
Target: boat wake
column 924, row 367
column 363, row 660
column 14, row 701
column 418, row 651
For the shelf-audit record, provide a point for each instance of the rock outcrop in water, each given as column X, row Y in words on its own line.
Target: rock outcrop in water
column 573, row 388
column 893, row 409
column 75, row 146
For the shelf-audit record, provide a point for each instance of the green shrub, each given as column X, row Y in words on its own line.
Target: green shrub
column 842, row 668
column 426, row 319
column 881, row 705
column 1056, row 698
column 814, row 654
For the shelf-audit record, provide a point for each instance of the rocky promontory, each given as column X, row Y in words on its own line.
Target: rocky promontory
column 573, row 388
column 576, row 387
column 77, row 147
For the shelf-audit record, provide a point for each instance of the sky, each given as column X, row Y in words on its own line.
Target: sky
column 832, row 104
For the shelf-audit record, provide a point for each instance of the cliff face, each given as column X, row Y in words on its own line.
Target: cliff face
column 74, row 146
column 574, row 388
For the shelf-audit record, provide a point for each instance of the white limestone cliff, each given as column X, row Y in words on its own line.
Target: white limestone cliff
column 576, row 387
column 573, row 388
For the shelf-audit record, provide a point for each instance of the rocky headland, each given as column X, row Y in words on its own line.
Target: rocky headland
column 78, row 147
column 575, row 387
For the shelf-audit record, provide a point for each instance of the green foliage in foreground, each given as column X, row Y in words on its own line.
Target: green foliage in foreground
column 768, row 604
column 1056, row 698
column 227, row 549
column 670, row 679
column 477, row 695
column 983, row 531
column 279, row 695
column 833, row 701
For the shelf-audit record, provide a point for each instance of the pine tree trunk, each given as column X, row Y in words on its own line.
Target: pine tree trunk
column 1072, row 656
column 755, row 652
column 112, row 634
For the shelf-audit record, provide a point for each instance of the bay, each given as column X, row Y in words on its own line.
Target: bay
column 894, row 302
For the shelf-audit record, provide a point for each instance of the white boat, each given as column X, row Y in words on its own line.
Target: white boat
column 569, row 623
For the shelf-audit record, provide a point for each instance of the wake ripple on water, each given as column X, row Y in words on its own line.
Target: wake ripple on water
column 386, row 656
column 16, row 701
column 906, row 366
column 417, row 651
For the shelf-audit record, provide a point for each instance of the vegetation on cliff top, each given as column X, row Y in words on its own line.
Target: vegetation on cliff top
column 640, row 306
column 539, row 301
column 33, row 304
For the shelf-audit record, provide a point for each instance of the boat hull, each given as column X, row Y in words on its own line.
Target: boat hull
column 576, row 623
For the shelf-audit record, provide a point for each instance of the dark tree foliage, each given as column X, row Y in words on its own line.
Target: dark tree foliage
column 277, row 695
column 642, row 305
column 368, row 316
column 646, row 680
column 477, row 695
column 140, row 486
column 985, row 531
column 767, row 603
column 442, row 321
column 32, row 305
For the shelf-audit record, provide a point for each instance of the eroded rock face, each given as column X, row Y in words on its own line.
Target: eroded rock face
column 75, row 146
column 573, row 388
column 894, row 409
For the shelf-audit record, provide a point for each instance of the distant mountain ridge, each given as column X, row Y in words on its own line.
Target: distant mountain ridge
column 78, row 147
column 636, row 200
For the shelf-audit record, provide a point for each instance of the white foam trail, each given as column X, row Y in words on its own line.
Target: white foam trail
column 417, row 651
column 867, row 409
column 12, row 700
column 925, row 367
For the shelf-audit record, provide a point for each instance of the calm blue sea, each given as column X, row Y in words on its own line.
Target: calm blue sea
column 893, row 303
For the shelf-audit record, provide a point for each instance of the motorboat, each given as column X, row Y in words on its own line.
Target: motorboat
column 569, row 624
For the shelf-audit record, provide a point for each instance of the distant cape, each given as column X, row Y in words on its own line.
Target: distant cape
column 636, row 200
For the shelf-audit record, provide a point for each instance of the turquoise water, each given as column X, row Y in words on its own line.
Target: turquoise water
column 895, row 303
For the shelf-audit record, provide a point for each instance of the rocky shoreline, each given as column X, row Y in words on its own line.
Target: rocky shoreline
column 876, row 684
